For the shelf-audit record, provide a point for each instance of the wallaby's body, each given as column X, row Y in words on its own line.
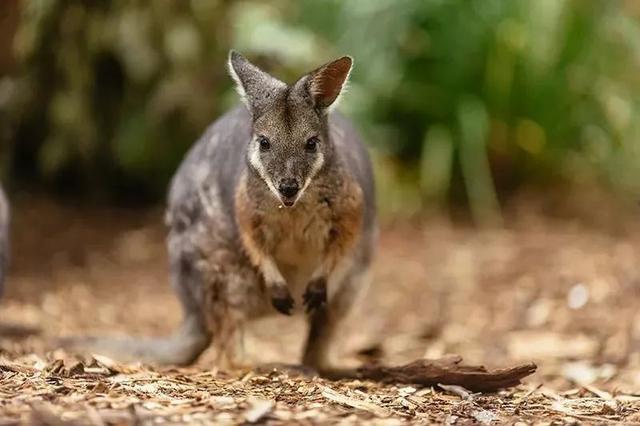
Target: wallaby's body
column 4, row 238
column 273, row 207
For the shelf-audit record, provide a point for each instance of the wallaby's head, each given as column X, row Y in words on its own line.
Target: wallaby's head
column 290, row 141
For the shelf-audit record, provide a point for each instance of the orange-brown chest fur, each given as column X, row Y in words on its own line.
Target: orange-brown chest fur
column 320, row 229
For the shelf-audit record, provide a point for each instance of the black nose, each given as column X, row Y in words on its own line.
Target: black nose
column 288, row 188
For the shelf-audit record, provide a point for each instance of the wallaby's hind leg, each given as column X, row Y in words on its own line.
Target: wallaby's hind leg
column 231, row 291
column 212, row 283
column 229, row 342
column 195, row 335
column 325, row 320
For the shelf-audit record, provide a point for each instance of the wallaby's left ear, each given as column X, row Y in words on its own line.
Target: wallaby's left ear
column 256, row 88
column 327, row 82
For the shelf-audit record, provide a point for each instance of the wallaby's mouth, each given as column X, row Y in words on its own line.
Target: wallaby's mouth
column 288, row 201
column 289, row 191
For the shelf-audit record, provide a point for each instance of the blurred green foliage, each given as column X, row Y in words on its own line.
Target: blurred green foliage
column 109, row 95
column 463, row 100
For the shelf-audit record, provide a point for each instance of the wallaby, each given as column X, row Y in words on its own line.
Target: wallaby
column 273, row 208
column 4, row 238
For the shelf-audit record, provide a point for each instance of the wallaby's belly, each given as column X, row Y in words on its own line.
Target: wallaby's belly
column 299, row 240
column 297, row 263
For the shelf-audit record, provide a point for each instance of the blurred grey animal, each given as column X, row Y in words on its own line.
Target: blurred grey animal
column 273, row 208
column 4, row 238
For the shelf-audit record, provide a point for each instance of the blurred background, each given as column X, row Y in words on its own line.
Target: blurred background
column 463, row 103
column 505, row 137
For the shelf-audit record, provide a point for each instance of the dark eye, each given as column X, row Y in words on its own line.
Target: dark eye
column 265, row 145
column 312, row 144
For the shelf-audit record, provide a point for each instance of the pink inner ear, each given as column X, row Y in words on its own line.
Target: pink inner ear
column 327, row 82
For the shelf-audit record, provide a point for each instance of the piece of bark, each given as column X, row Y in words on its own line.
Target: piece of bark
column 447, row 371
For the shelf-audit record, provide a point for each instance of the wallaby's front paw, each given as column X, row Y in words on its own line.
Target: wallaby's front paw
column 281, row 300
column 316, row 294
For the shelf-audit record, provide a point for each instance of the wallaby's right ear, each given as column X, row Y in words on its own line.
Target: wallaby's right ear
column 256, row 88
column 326, row 83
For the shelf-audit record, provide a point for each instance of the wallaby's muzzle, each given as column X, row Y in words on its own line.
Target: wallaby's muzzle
column 288, row 189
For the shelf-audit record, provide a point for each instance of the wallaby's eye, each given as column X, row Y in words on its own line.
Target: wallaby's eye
column 265, row 145
column 312, row 144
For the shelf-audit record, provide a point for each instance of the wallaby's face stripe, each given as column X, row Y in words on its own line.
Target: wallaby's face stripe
column 256, row 162
column 288, row 124
column 288, row 116
column 315, row 168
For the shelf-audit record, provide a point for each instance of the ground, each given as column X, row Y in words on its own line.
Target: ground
column 562, row 292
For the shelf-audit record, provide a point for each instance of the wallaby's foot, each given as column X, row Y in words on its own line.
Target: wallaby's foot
column 316, row 361
column 228, row 362
column 316, row 294
column 281, row 299
column 290, row 369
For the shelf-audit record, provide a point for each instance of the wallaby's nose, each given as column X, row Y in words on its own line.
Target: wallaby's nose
column 288, row 188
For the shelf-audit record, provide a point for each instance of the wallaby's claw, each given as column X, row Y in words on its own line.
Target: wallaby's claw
column 316, row 294
column 281, row 300
column 283, row 305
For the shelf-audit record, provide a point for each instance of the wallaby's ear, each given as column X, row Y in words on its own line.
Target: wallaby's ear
column 327, row 82
column 256, row 88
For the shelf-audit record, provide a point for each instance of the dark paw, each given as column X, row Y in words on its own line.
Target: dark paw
column 316, row 295
column 281, row 300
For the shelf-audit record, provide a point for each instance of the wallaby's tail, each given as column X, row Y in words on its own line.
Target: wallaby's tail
column 181, row 348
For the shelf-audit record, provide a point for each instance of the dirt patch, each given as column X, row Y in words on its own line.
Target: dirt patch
column 555, row 291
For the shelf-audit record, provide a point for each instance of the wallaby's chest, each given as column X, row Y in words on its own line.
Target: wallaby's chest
column 303, row 239
column 297, row 238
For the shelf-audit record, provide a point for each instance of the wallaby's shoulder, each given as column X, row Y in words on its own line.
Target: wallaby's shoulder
column 355, row 159
column 213, row 164
column 223, row 137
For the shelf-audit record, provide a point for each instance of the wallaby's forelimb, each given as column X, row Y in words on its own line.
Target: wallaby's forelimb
column 275, row 283
column 281, row 299
column 315, row 296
